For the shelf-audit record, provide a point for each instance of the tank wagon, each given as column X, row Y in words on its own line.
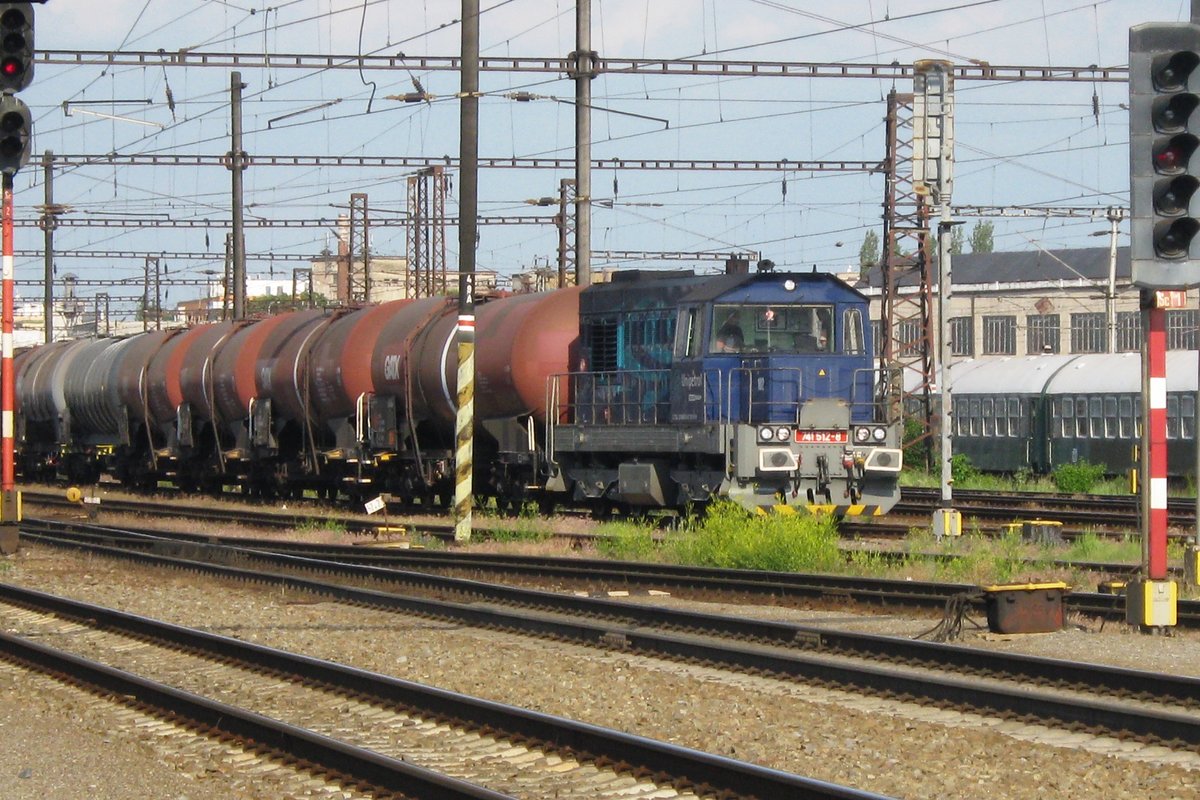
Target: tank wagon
column 1039, row 412
column 657, row 390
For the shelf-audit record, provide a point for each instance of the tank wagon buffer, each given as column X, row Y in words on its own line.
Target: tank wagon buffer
column 757, row 387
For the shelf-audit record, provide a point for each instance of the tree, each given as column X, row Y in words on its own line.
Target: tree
column 268, row 304
column 957, row 238
column 868, row 254
column 981, row 237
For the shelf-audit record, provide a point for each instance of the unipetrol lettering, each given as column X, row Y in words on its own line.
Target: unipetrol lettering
column 694, row 381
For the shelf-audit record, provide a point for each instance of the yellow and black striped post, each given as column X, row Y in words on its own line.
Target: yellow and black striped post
column 465, row 427
column 468, row 209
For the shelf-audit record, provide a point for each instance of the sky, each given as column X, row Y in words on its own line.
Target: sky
column 1017, row 144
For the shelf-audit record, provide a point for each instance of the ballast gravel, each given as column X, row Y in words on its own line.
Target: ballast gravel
column 61, row 745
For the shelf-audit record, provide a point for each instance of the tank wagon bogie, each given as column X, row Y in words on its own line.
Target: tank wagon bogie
column 660, row 389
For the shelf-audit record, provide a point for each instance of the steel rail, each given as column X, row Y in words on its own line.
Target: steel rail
column 331, row 754
column 626, row 625
column 685, row 766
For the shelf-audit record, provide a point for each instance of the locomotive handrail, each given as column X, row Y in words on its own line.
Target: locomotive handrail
column 750, row 374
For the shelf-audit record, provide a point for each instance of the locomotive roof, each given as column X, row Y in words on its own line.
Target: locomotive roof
column 1090, row 373
column 632, row 288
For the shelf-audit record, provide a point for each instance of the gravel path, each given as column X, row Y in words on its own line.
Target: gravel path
column 61, row 747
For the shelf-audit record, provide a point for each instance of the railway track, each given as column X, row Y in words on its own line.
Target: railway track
column 239, row 514
column 1099, row 699
column 1097, row 511
column 578, row 574
column 373, row 732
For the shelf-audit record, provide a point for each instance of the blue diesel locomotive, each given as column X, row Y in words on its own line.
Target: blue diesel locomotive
column 757, row 387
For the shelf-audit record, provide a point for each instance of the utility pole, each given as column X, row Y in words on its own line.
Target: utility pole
column 584, row 70
column 49, row 222
column 237, row 165
column 468, row 210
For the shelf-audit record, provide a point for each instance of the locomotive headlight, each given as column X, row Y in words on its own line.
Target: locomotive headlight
column 766, row 434
column 879, row 434
column 862, row 434
column 782, row 434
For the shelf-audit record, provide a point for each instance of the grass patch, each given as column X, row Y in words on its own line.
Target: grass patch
column 320, row 525
column 730, row 538
column 1022, row 481
column 628, row 541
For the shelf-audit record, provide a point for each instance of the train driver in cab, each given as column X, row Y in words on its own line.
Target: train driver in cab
column 729, row 339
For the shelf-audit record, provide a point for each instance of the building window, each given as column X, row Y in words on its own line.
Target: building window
column 1041, row 333
column 962, row 337
column 909, row 338
column 999, row 336
column 1087, row 333
column 1181, row 329
column 1129, row 331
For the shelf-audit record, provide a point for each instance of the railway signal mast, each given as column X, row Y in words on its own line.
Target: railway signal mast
column 933, row 178
column 1164, row 75
column 16, row 141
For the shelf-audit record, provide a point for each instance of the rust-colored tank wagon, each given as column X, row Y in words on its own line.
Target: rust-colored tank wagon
column 236, row 381
column 133, row 368
column 520, row 340
column 523, row 340
column 283, row 371
column 196, row 367
column 339, row 364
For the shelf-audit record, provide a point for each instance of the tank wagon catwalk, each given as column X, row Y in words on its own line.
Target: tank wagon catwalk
column 657, row 390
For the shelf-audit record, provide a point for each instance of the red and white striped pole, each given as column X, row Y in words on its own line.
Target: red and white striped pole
column 10, row 499
column 1156, row 459
column 1151, row 599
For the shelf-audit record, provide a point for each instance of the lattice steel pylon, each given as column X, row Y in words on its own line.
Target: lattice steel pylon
column 426, row 250
column 906, row 316
column 358, row 283
column 565, row 221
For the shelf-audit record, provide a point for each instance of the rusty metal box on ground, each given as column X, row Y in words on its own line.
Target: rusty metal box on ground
column 1042, row 531
column 1025, row 607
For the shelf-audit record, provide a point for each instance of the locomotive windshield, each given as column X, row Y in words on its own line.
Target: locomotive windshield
column 771, row 329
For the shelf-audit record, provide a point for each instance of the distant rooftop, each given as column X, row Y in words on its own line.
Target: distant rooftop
column 1089, row 264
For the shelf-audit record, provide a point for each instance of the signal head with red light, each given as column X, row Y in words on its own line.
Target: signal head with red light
column 1164, row 168
column 16, row 46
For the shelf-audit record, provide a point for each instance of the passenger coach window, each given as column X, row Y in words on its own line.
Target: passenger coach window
column 1096, row 412
column 1187, row 416
column 974, row 415
column 1110, row 418
column 1081, row 418
column 1067, row 416
column 961, row 412
column 1014, row 417
column 1172, row 417
column 1125, row 414
column 988, row 410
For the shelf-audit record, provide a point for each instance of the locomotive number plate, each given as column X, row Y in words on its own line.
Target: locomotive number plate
column 822, row 437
